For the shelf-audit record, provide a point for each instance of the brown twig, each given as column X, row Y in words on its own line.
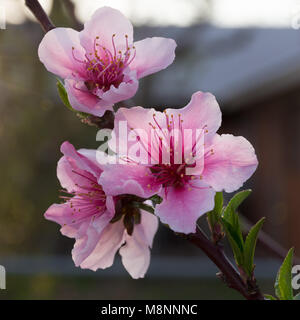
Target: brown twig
column 42, row 17
column 228, row 273
column 106, row 121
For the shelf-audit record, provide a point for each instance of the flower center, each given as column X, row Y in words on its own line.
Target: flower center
column 105, row 67
column 172, row 175
column 88, row 200
column 182, row 150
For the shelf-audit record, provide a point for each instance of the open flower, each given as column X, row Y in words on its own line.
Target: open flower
column 100, row 64
column 87, row 215
column 226, row 161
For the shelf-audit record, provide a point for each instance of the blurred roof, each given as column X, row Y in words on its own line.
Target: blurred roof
column 238, row 66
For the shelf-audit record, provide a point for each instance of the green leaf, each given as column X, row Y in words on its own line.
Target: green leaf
column 214, row 215
column 64, row 98
column 63, row 95
column 218, row 202
column 235, row 242
column 249, row 247
column 231, row 223
column 230, row 214
column 297, row 297
column 283, row 284
column 269, row 297
column 234, row 203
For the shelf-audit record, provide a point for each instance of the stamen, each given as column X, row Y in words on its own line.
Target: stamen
column 88, row 200
column 106, row 67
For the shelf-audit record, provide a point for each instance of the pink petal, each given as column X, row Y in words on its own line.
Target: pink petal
column 55, row 52
column 90, row 157
column 128, row 179
column 87, row 232
column 108, row 244
column 152, row 55
column 72, row 166
column 83, row 100
column 60, row 213
column 136, row 118
column 201, row 112
column 136, row 253
column 182, row 207
column 124, row 91
column 88, row 239
column 110, row 204
column 147, row 229
column 85, row 158
column 69, row 231
column 233, row 162
column 135, row 257
column 104, row 23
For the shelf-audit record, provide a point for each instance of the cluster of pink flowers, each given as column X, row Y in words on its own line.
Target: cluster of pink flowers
column 101, row 66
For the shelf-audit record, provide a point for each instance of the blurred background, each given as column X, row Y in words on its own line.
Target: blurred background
column 247, row 53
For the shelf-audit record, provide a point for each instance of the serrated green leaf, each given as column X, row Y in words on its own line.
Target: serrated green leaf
column 249, row 247
column 269, row 297
column 297, row 297
column 235, row 242
column 283, row 284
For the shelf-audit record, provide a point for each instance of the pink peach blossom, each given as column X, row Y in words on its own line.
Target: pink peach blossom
column 101, row 64
column 227, row 161
column 86, row 215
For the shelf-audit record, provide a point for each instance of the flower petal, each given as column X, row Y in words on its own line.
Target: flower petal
column 126, row 90
column 108, row 244
column 128, row 179
column 135, row 118
column 60, row 213
column 233, row 162
column 83, row 100
column 152, row 55
column 55, row 52
column 87, row 231
column 202, row 112
column 104, row 23
column 89, row 238
column 148, row 227
column 182, row 207
column 136, row 253
column 72, row 166
column 84, row 158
